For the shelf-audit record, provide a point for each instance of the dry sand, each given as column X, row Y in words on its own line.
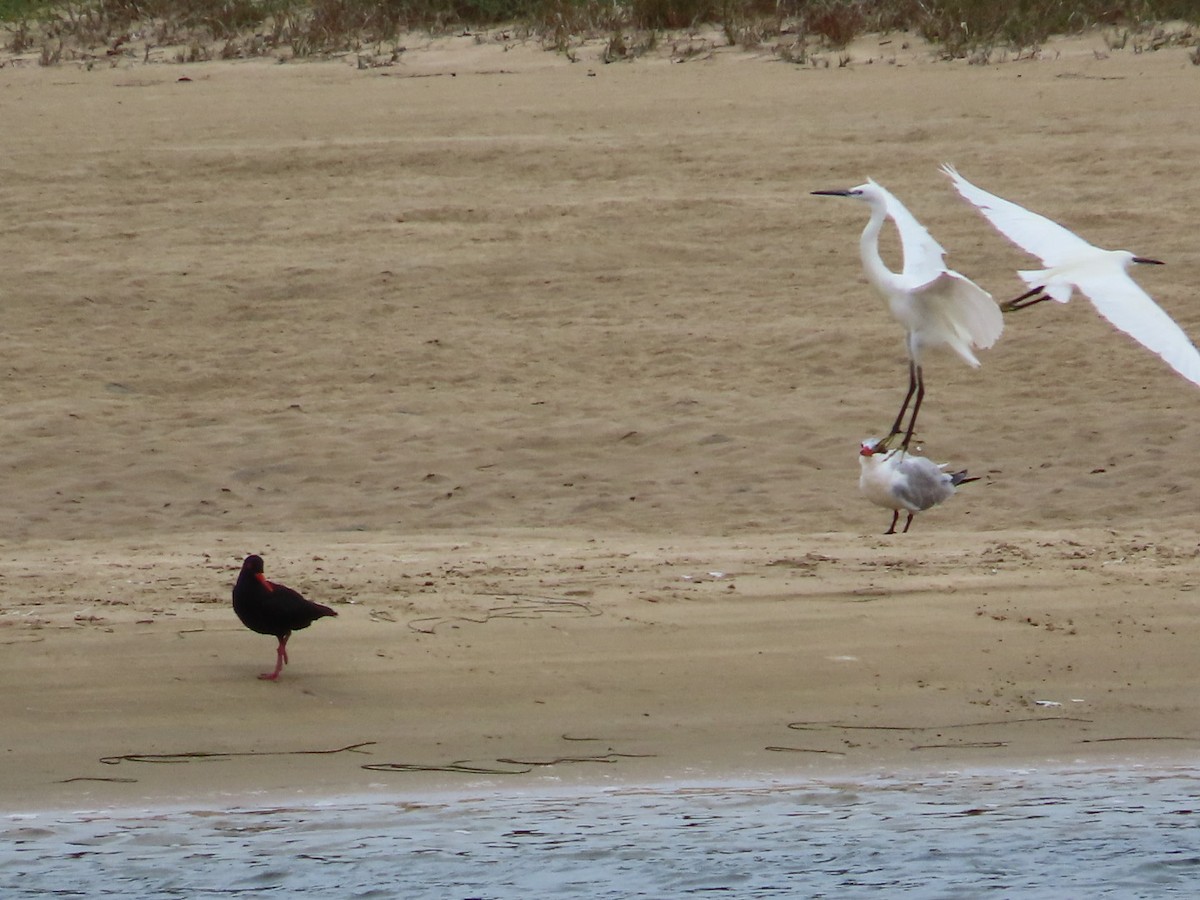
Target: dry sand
column 550, row 378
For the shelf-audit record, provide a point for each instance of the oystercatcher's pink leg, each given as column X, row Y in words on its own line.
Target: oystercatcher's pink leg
column 280, row 659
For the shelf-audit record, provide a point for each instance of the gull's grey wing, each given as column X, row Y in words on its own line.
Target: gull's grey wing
column 922, row 483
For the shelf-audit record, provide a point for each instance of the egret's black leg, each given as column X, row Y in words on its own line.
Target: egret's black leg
column 912, row 423
column 898, row 425
column 1026, row 300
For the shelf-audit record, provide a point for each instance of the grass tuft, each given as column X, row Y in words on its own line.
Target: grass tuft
column 799, row 31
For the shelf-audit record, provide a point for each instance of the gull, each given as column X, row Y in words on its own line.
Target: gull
column 935, row 305
column 897, row 480
column 1100, row 275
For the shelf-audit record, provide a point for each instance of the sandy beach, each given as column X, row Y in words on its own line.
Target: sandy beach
column 549, row 377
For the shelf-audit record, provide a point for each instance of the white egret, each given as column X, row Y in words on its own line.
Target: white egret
column 1101, row 275
column 897, row 480
column 936, row 306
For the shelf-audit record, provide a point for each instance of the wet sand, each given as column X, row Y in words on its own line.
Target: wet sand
column 550, row 377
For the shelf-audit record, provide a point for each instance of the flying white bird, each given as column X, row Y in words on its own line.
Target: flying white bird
column 935, row 305
column 1101, row 275
column 896, row 480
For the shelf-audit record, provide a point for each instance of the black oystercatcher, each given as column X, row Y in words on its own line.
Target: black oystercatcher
column 270, row 608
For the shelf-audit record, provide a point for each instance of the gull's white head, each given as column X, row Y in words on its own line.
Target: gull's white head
column 870, row 447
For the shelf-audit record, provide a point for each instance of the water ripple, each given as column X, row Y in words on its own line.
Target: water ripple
column 1125, row 834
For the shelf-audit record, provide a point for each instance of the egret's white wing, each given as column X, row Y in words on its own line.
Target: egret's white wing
column 1119, row 299
column 922, row 254
column 1035, row 234
column 958, row 312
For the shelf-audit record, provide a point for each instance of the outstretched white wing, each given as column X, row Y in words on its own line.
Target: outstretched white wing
column 1114, row 294
column 1118, row 298
column 1035, row 234
column 959, row 313
column 922, row 254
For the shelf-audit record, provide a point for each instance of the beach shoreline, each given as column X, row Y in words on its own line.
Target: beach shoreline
column 436, row 791
column 521, row 658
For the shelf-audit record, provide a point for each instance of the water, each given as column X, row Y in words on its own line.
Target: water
column 1125, row 834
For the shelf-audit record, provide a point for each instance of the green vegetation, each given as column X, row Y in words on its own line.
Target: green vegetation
column 206, row 28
